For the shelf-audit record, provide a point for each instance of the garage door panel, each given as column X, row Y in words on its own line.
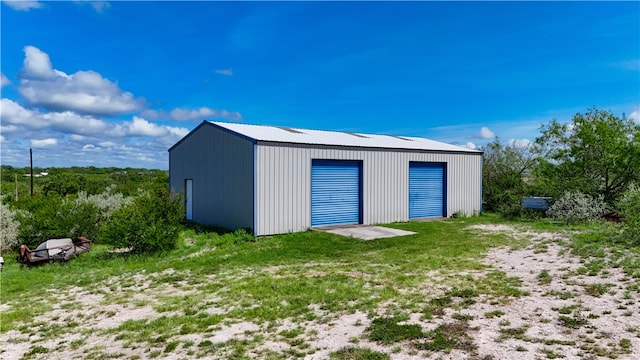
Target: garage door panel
column 426, row 190
column 335, row 192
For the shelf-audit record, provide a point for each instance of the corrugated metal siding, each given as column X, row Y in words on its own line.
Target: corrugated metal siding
column 222, row 169
column 283, row 184
column 426, row 190
column 335, row 192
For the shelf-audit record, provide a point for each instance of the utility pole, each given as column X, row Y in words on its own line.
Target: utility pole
column 31, row 166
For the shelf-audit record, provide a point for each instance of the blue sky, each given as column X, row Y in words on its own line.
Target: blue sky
column 117, row 83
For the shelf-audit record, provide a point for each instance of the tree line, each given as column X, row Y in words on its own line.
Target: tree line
column 124, row 208
column 588, row 166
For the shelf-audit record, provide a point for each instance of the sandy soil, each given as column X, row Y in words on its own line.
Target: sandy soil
column 609, row 321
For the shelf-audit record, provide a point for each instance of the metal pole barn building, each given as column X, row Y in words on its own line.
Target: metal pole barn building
column 275, row 180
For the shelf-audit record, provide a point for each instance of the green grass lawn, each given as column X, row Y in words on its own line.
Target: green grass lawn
column 298, row 268
column 295, row 277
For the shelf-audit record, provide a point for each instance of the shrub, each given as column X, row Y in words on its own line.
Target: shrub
column 510, row 207
column 107, row 201
column 150, row 223
column 574, row 207
column 8, row 228
column 630, row 206
column 54, row 217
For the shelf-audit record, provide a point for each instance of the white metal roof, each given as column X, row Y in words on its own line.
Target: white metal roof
column 322, row 137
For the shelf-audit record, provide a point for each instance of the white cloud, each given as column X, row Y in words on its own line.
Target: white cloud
column 470, row 145
column 152, row 114
column 225, row 72
column 44, row 143
column 635, row 116
column 86, row 92
column 628, row 65
column 141, row 127
column 13, row 113
column 108, row 144
column 135, row 143
column 202, row 113
column 8, row 129
column 67, row 121
column 178, row 132
column 37, row 64
column 78, row 116
column 4, row 80
column 485, row 133
column 76, row 137
column 98, row 6
column 23, row 5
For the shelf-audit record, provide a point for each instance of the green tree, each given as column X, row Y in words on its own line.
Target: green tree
column 505, row 170
column 597, row 153
column 63, row 184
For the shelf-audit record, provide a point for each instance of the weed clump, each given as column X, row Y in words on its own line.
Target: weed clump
column 544, row 278
column 354, row 353
column 388, row 331
column 449, row 336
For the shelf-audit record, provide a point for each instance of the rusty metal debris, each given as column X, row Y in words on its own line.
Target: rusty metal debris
column 54, row 249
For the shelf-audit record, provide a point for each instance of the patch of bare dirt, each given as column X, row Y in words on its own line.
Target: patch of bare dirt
column 565, row 313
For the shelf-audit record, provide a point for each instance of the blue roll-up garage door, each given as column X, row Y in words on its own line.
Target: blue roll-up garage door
column 426, row 190
column 336, row 192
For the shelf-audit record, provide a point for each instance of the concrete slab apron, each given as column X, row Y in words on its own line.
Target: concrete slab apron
column 364, row 232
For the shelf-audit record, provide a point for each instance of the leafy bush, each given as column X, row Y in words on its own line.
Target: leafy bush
column 8, row 228
column 630, row 206
column 63, row 184
column 574, row 207
column 150, row 223
column 54, row 217
column 107, row 202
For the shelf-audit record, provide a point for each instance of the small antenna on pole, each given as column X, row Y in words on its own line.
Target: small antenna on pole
column 31, row 166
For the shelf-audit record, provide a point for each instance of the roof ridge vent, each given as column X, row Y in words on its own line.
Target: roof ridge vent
column 358, row 135
column 401, row 138
column 294, row 131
